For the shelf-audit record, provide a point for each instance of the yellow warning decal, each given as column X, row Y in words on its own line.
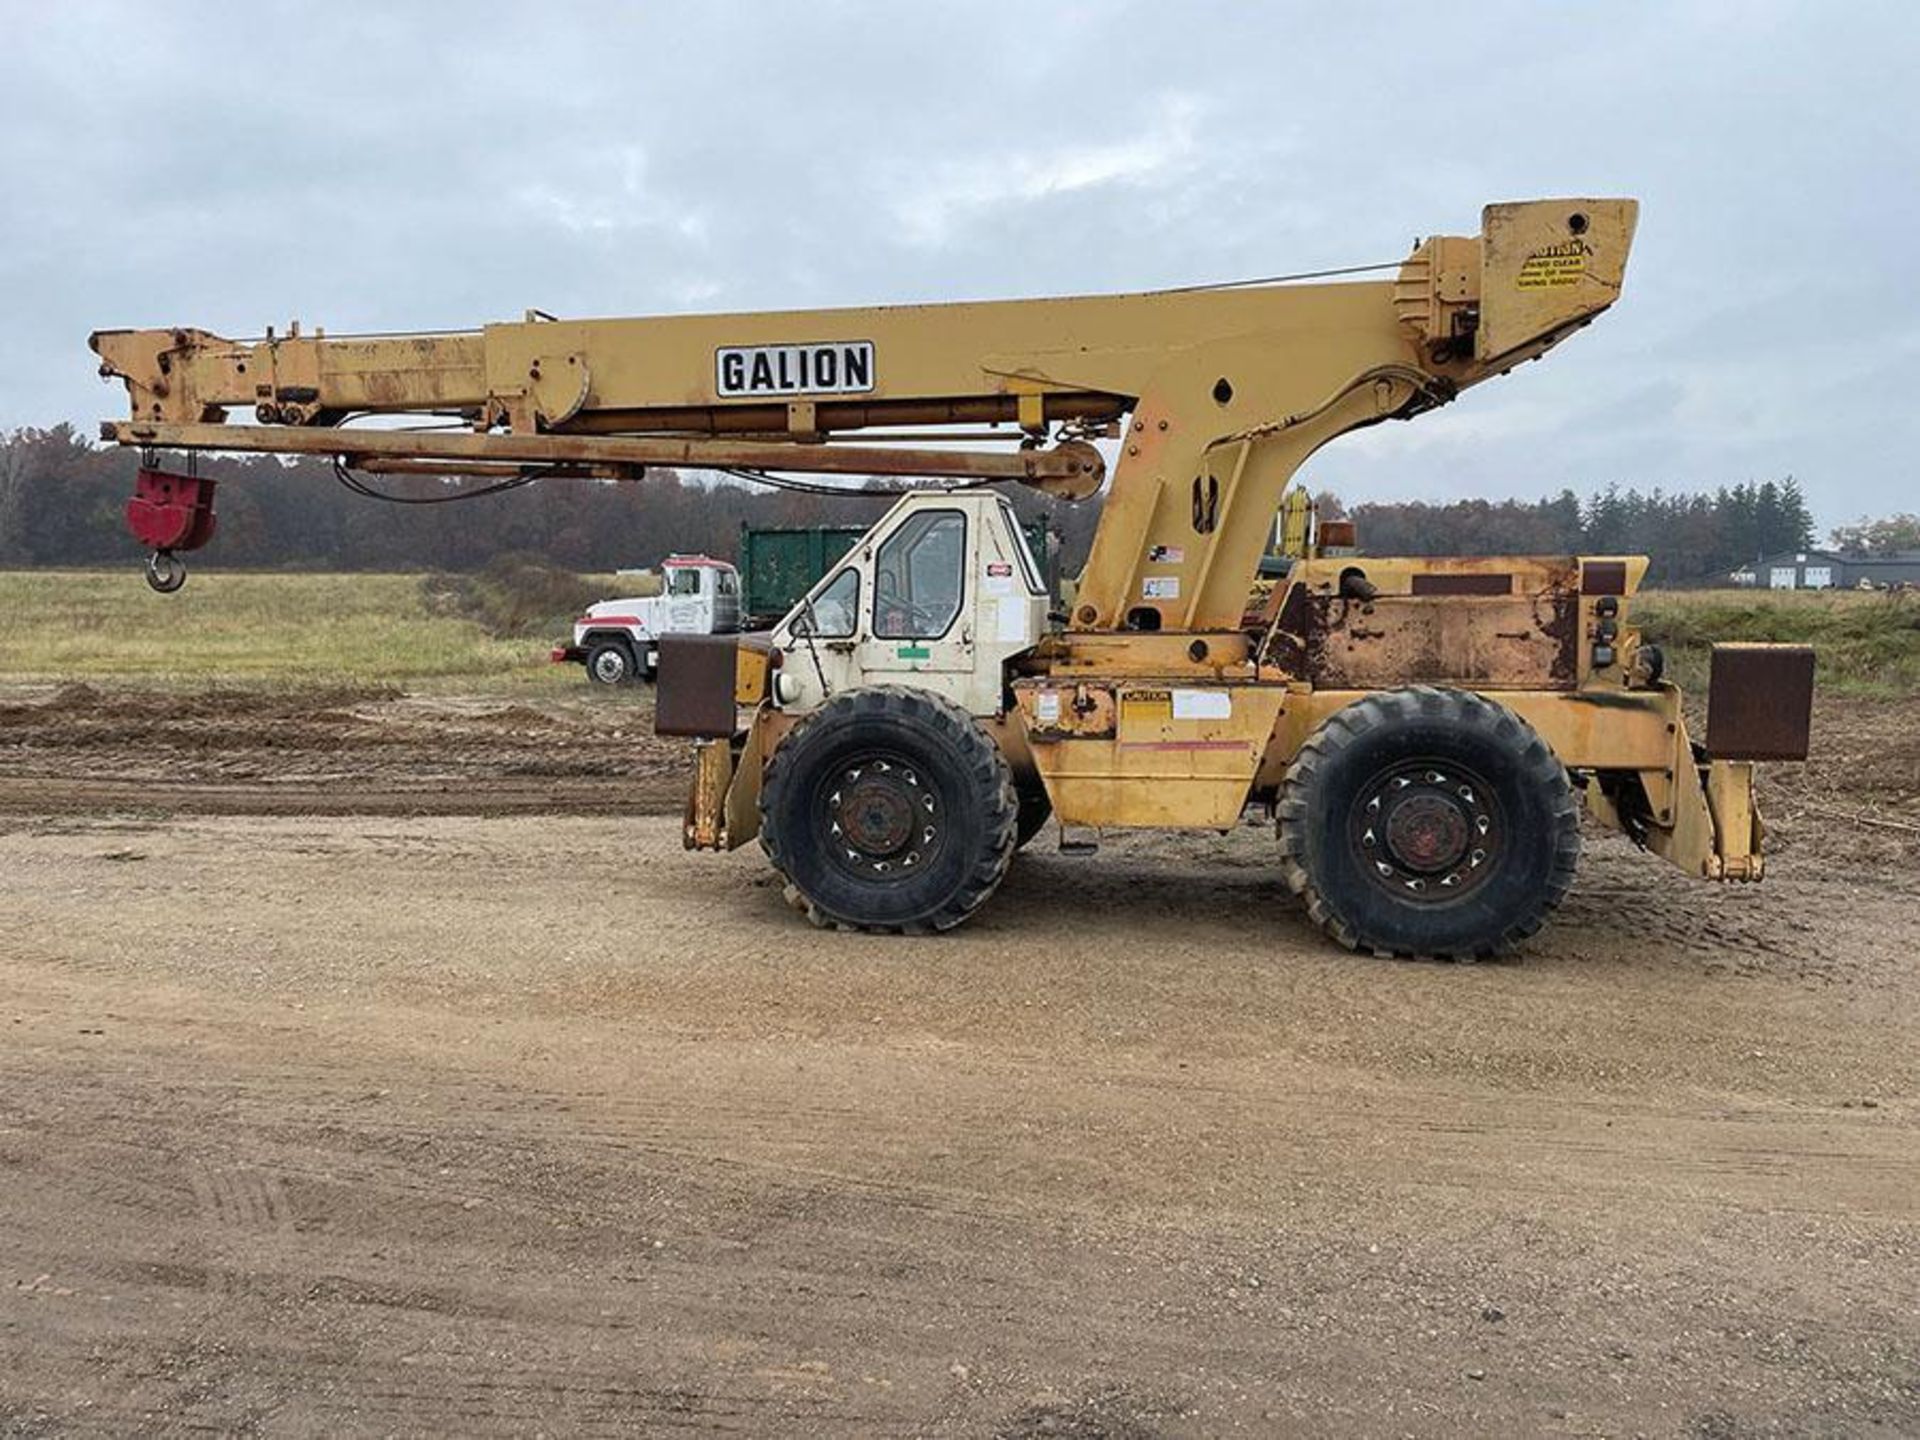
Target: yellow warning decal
column 1554, row 267
column 1146, row 707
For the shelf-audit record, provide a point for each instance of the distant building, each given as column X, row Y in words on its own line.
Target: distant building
column 1829, row 570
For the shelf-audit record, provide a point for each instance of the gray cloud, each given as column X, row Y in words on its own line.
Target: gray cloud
column 440, row 165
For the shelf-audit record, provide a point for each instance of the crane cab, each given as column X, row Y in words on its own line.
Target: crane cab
column 940, row 594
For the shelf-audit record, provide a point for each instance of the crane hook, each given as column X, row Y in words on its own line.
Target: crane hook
column 166, row 572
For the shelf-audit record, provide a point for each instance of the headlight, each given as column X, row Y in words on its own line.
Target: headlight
column 786, row 688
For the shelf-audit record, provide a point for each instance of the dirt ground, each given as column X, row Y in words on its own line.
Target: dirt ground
column 341, row 1093
column 76, row 748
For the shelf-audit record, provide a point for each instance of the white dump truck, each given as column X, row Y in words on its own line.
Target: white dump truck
column 618, row 640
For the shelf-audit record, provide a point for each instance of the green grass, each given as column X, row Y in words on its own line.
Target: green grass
column 1865, row 644
column 258, row 629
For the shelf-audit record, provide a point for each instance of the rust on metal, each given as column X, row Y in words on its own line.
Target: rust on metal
column 1287, row 640
column 704, row 825
column 1485, row 642
column 1056, row 711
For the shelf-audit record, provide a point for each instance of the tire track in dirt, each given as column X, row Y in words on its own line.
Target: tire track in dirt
column 242, row 1199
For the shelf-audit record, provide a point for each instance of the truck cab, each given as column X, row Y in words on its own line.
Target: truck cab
column 619, row 640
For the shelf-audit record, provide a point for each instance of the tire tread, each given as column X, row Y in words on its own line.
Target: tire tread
column 1536, row 766
column 985, row 775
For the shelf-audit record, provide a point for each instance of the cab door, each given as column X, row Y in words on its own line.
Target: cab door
column 689, row 601
column 920, row 602
column 726, row 600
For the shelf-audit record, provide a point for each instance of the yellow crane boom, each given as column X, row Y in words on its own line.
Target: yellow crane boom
column 1229, row 390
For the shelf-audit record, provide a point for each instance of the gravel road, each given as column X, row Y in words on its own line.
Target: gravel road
column 502, row 1123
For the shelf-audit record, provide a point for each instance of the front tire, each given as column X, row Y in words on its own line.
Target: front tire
column 1428, row 822
column 889, row 809
column 610, row 662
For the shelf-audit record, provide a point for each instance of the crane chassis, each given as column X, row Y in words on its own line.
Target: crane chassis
column 1423, row 732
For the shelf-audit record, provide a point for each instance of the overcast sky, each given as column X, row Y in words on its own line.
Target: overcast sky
column 412, row 166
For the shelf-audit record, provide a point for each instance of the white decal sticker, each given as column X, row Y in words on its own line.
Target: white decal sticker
column 1160, row 587
column 1166, row 554
column 992, row 584
column 838, row 367
column 1202, row 705
column 1046, row 707
column 1013, row 621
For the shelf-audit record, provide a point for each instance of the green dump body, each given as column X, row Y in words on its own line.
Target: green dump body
column 779, row 564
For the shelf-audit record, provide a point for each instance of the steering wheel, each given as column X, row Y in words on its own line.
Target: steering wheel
column 900, row 619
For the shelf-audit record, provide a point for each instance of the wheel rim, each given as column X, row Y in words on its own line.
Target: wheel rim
column 1426, row 831
column 609, row 666
column 879, row 817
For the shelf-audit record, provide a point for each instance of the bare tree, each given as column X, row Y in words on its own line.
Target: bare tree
column 14, row 464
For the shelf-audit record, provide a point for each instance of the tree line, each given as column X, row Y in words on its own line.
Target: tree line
column 61, row 498
column 1691, row 538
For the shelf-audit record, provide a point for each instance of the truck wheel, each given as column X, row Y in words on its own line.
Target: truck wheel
column 889, row 809
column 1428, row 822
column 1035, row 810
column 609, row 662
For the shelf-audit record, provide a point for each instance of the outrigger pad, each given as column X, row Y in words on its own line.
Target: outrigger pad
column 1760, row 702
column 171, row 512
column 693, row 693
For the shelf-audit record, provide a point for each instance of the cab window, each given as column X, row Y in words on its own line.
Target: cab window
column 724, row 583
column 1029, row 562
column 836, row 608
column 683, row 580
column 919, row 576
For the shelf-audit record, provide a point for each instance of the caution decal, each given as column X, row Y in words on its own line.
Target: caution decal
column 1555, row 266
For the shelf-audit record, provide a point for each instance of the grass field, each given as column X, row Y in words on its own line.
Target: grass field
column 269, row 629
column 1867, row 644
column 257, row 630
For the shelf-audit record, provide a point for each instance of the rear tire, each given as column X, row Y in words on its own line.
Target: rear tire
column 1428, row 822
column 610, row 662
column 889, row 809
